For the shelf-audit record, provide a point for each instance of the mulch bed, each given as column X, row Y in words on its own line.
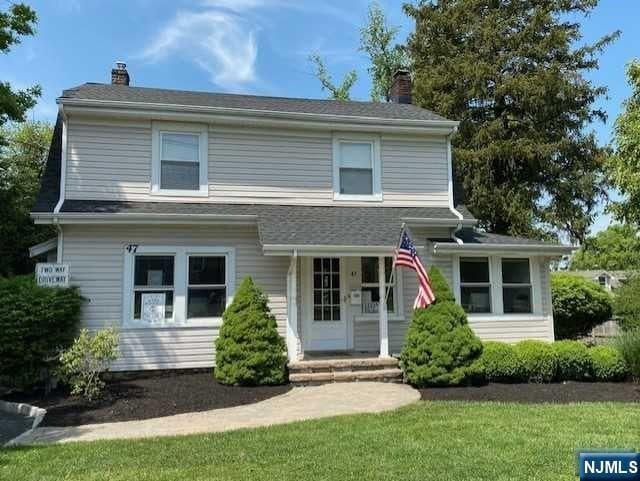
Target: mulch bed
column 146, row 397
column 569, row 392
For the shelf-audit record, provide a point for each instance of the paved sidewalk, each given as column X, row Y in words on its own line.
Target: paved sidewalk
column 298, row 404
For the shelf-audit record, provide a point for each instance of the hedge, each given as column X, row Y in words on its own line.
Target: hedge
column 36, row 324
column 501, row 363
column 607, row 364
column 538, row 359
column 573, row 360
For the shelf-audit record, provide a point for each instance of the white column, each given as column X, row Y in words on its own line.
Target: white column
column 292, row 309
column 382, row 310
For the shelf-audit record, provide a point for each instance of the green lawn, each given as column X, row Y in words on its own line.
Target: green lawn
column 427, row 441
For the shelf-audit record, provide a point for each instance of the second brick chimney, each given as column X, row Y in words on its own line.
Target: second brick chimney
column 119, row 75
column 400, row 91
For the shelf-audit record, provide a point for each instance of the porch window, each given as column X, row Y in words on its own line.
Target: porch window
column 206, row 290
column 357, row 168
column 179, row 159
column 153, row 288
column 475, row 284
column 370, row 285
column 516, row 286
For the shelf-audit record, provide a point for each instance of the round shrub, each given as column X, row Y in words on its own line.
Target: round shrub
column 441, row 349
column 607, row 364
column 500, row 362
column 538, row 360
column 249, row 350
column 36, row 323
column 573, row 360
column 578, row 305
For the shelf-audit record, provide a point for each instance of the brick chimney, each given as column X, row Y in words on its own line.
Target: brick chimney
column 119, row 75
column 400, row 91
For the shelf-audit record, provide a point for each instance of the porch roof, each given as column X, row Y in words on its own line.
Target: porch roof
column 280, row 226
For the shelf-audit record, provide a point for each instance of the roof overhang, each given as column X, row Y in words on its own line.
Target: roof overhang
column 253, row 117
column 323, row 250
column 43, row 247
column 141, row 218
column 533, row 249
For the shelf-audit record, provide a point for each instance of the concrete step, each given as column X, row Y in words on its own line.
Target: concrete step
column 342, row 364
column 385, row 375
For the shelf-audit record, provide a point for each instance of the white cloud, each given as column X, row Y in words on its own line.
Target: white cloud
column 220, row 37
column 221, row 43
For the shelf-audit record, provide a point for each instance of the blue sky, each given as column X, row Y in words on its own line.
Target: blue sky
column 250, row 46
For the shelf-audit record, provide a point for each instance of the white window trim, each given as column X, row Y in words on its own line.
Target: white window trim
column 491, row 284
column 398, row 292
column 201, row 130
column 374, row 140
column 180, row 283
column 495, row 277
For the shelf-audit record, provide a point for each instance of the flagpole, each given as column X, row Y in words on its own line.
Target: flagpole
column 393, row 268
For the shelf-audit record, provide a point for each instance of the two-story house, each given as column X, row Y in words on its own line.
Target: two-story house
column 164, row 200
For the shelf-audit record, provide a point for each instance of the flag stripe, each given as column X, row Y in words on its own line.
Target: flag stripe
column 407, row 256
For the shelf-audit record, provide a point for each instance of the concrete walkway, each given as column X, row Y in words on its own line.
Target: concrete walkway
column 296, row 405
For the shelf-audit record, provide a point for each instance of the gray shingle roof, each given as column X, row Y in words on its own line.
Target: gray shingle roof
column 289, row 225
column 50, row 183
column 122, row 93
column 471, row 236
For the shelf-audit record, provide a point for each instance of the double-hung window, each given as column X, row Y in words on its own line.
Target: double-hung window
column 516, row 286
column 475, row 284
column 179, row 159
column 177, row 285
column 356, row 169
column 371, row 282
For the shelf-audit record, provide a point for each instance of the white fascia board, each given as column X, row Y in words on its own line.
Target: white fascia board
column 43, row 247
column 324, row 250
column 248, row 117
column 426, row 221
column 451, row 248
column 148, row 218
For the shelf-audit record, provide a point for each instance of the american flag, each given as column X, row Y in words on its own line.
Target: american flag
column 407, row 255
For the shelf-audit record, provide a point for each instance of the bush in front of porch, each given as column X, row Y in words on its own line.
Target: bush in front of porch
column 441, row 349
column 249, row 350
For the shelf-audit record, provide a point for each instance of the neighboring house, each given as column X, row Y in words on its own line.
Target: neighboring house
column 610, row 280
column 164, row 200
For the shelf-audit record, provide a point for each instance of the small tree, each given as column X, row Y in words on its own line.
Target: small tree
column 441, row 347
column 626, row 304
column 578, row 305
column 249, row 350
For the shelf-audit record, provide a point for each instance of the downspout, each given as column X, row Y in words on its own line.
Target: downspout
column 451, row 204
column 63, row 176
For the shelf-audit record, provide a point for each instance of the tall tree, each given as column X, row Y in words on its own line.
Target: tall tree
column 377, row 40
column 511, row 72
column 22, row 160
column 624, row 165
column 615, row 248
column 337, row 92
column 19, row 20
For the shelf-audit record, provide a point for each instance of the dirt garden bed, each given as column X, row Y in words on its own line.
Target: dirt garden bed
column 146, row 397
column 569, row 392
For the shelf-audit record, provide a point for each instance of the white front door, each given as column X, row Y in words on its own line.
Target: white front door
column 325, row 313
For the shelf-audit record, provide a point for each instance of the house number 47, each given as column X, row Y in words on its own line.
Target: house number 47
column 132, row 248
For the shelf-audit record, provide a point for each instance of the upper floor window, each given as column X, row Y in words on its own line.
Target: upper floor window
column 516, row 286
column 179, row 159
column 356, row 168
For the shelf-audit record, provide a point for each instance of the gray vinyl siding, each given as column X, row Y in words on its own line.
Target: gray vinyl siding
column 111, row 159
column 96, row 259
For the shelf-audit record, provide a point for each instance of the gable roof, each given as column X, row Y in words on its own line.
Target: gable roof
column 49, row 193
column 341, row 108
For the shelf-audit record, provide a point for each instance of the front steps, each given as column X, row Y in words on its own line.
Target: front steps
column 345, row 369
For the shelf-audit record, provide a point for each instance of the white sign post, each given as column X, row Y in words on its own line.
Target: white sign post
column 52, row 275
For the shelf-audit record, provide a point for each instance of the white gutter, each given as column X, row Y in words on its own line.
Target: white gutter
column 257, row 113
column 426, row 221
column 451, row 203
column 344, row 250
column 141, row 218
column 450, row 248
